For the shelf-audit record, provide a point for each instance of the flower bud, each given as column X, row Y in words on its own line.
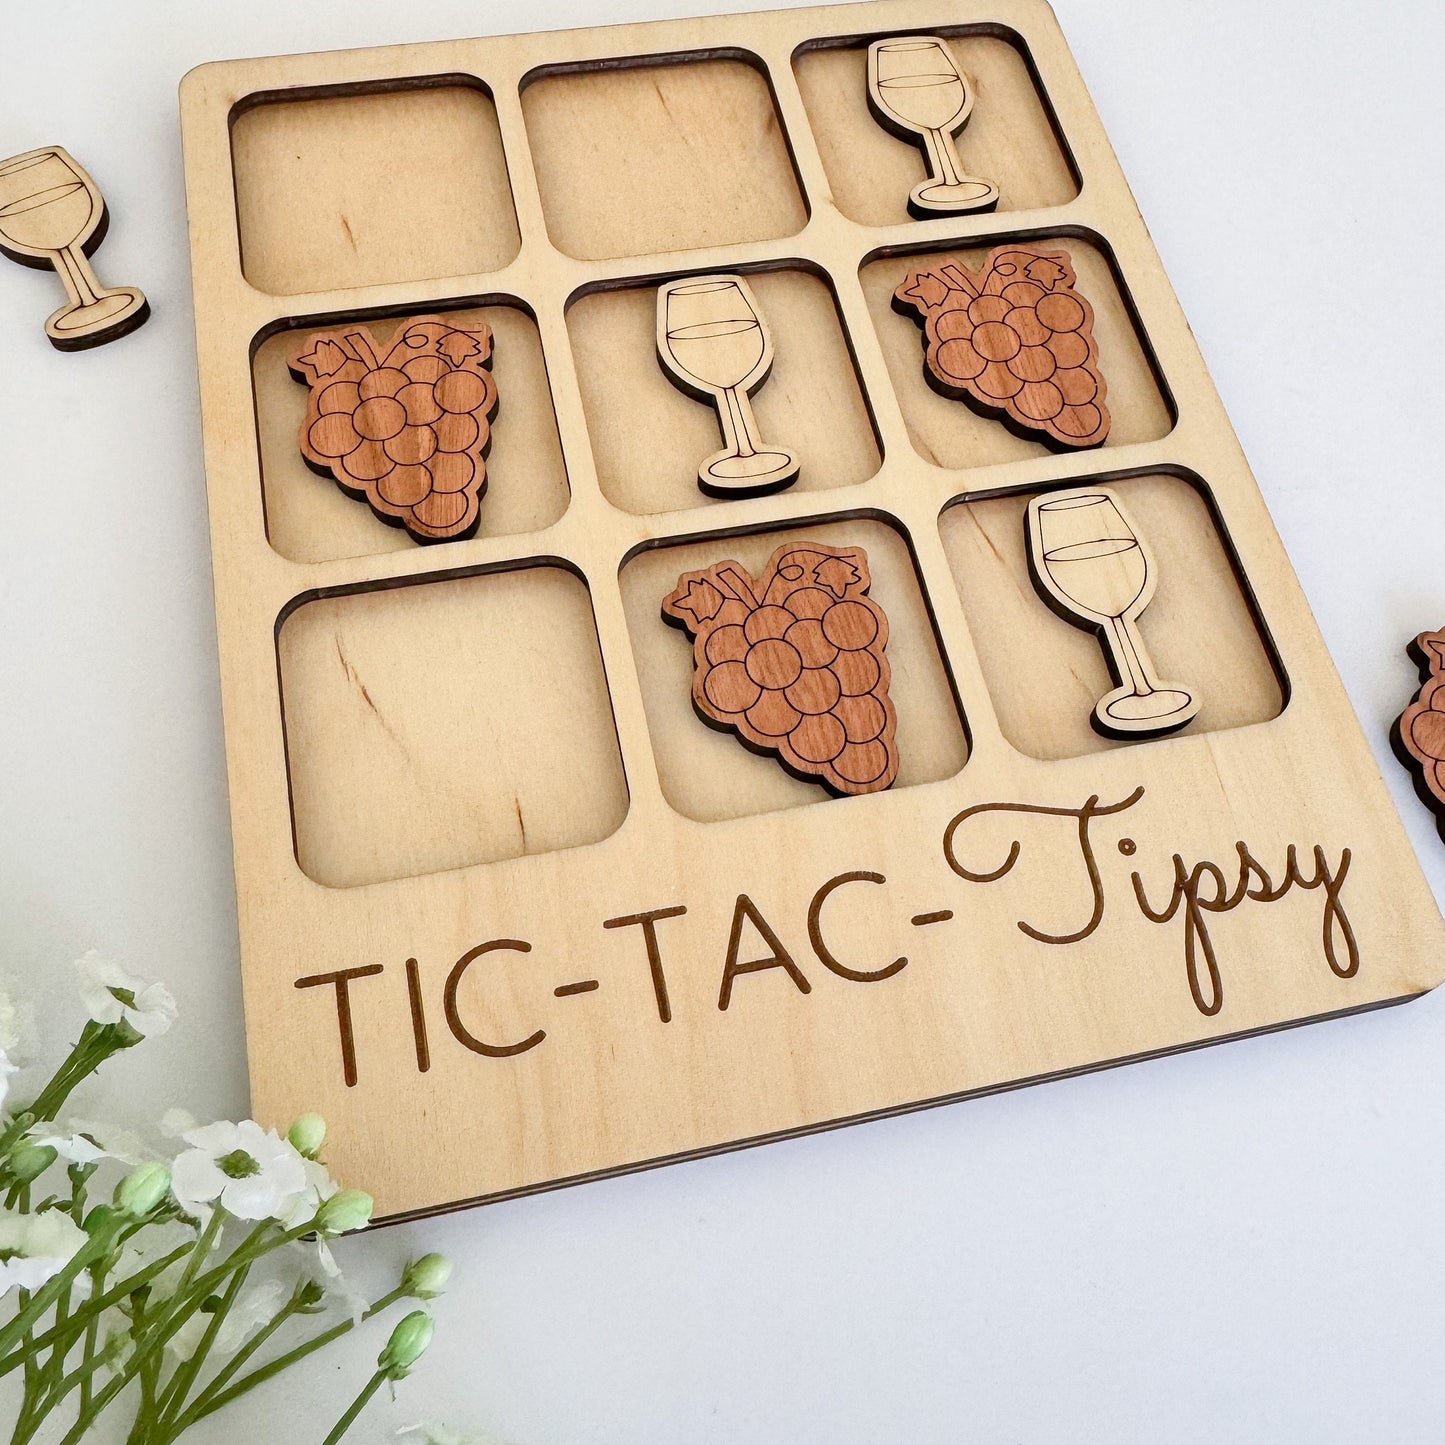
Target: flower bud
column 307, row 1134
column 346, row 1210
column 406, row 1346
column 29, row 1161
column 143, row 1190
column 427, row 1277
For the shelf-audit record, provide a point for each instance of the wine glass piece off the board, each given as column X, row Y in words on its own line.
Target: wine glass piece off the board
column 1015, row 341
column 793, row 662
column 714, row 344
column 1418, row 736
column 1092, row 567
column 917, row 92
column 52, row 214
column 406, row 430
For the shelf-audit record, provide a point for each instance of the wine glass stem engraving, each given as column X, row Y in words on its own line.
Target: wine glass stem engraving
column 739, row 425
column 1131, row 661
column 943, row 162
column 81, row 283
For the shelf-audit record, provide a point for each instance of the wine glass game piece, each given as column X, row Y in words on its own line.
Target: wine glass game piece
column 406, row 430
column 917, row 92
column 1015, row 341
column 52, row 214
column 1418, row 736
column 714, row 344
column 793, row 662
column 1092, row 567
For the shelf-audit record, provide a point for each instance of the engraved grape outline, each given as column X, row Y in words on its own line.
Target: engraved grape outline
column 349, row 373
column 723, row 608
column 1418, row 734
column 986, row 344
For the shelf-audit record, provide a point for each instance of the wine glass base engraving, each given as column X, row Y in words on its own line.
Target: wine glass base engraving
column 1125, row 713
column 110, row 315
column 956, row 198
column 726, row 474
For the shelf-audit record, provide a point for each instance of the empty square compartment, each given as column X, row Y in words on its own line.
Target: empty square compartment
column 660, row 154
column 710, row 775
column 405, row 182
column 310, row 519
column 1010, row 137
column 949, row 432
column 1045, row 674
column 648, row 436
column 447, row 723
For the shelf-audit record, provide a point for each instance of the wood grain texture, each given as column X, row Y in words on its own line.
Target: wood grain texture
column 794, row 661
column 1028, row 899
column 53, row 215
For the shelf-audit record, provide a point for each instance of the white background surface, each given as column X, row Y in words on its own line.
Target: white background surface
column 1243, row 1244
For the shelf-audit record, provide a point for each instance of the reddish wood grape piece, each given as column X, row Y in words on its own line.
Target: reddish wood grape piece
column 1418, row 736
column 793, row 662
column 1015, row 340
column 407, row 429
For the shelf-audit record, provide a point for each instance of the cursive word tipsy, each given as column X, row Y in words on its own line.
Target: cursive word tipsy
column 1196, row 891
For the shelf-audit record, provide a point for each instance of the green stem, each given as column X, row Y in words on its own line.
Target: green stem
column 96, row 1247
column 89, row 1314
column 204, row 1244
column 212, row 1399
column 229, row 1370
column 356, row 1407
column 174, row 1395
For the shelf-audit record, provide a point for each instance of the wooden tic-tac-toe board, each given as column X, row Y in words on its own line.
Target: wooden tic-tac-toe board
column 723, row 633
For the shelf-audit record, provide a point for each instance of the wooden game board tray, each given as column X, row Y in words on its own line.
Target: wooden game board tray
column 511, row 915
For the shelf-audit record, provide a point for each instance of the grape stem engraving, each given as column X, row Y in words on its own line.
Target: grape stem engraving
column 794, row 663
column 406, row 430
column 1015, row 341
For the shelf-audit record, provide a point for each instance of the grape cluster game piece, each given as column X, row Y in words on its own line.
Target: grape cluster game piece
column 1418, row 736
column 794, row 662
column 1015, row 341
column 406, row 431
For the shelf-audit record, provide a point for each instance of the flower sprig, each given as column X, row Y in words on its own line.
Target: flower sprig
column 167, row 1294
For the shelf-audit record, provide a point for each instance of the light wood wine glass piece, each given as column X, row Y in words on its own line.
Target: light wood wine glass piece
column 1418, row 736
column 406, row 430
column 714, row 344
column 793, row 663
column 1092, row 567
column 1015, row 341
column 52, row 214
column 917, row 92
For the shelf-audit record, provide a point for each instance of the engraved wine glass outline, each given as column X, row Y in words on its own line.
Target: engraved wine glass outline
column 52, row 214
column 918, row 92
column 726, row 355
column 1088, row 528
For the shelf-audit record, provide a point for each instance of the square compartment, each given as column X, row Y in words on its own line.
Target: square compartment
column 1010, row 138
column 648, row 436
column 711, row 775
column 950, row 433
column 1045, row 675
column 310, row 519
column 447, row 723
column 637, row 157
column 405, row 182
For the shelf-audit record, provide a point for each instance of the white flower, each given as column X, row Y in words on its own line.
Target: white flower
column 110, row 994
column 35, row 1247
column 248, row 1170
column 7, row 1069
column 79, row 1144
column 318, row 1188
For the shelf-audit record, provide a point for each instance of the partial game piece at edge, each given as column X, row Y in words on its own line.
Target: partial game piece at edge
column 1418, row 734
